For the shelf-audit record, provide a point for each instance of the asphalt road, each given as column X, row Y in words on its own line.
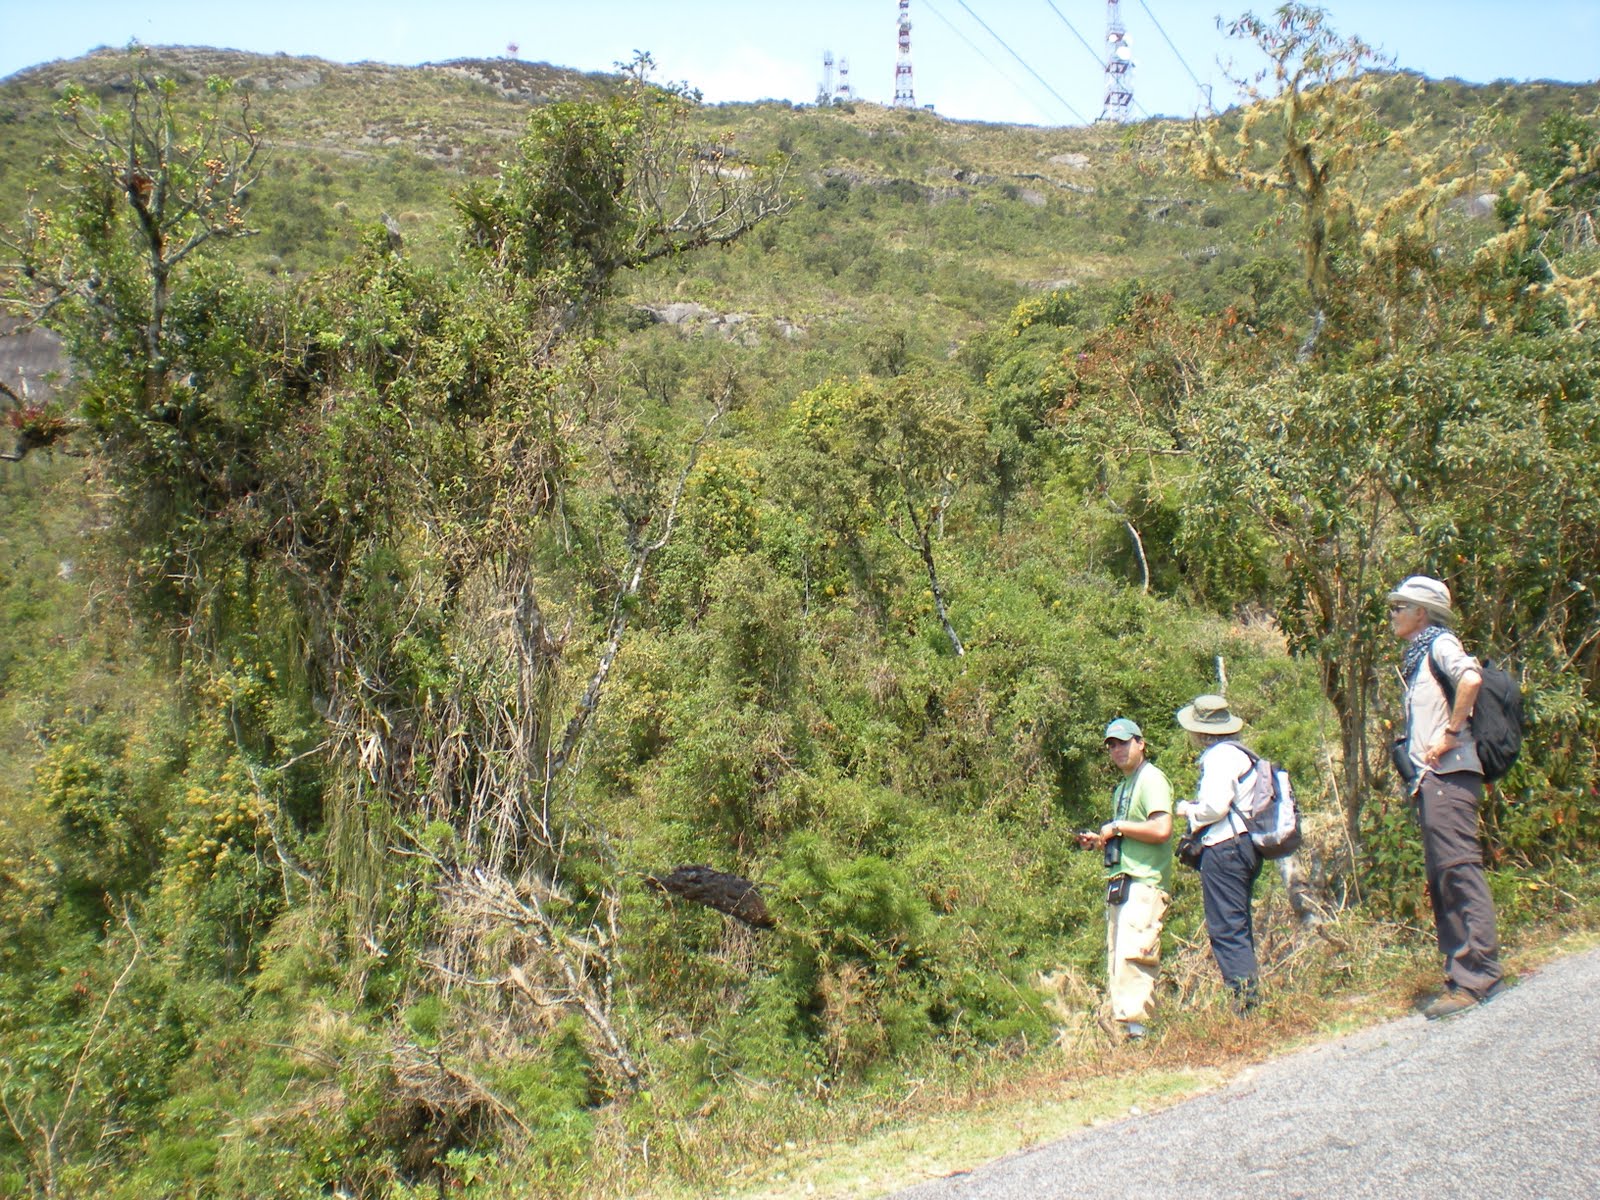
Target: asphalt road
column 1502, row 1101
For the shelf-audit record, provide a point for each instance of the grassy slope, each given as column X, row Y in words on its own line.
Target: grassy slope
column 903, row 218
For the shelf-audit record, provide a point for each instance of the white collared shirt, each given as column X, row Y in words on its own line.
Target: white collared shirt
column 1221, row 787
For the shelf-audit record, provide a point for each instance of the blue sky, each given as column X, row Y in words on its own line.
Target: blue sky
column 1030, row 64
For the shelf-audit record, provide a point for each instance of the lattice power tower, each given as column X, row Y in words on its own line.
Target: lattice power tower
column 902, row 67
column 1119, row 67
column 844, row 93
column 825, row 88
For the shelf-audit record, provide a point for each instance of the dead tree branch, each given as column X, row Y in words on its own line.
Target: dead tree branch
column 558, row 968
column 621, row 610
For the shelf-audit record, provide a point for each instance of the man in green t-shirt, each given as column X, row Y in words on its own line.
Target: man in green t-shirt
column 1137, row 843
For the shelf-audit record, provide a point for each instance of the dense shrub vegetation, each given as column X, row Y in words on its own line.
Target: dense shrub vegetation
column 432, row 556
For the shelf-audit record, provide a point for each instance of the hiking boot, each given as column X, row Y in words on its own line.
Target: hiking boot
column 1430, row 997
column 1498, row 987
column 1133, row 1031
column 1246, row 997
column 1457, row 1000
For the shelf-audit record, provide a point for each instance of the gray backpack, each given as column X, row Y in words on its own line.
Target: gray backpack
column 1269, row 811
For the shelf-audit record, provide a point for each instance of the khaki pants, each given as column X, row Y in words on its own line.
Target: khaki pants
column 1133, row 951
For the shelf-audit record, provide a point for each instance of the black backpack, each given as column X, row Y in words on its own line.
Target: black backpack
column 1496, row 721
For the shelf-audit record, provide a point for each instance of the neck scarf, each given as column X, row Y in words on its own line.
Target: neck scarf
column 1418, row 649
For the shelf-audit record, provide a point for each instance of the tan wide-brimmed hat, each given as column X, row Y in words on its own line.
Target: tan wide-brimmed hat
column 1209, row 714
column 1425, row 592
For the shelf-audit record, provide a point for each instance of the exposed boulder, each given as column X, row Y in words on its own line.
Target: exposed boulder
column 697, row 318
column 32, row 362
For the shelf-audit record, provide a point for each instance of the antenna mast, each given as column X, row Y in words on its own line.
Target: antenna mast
column 902, row 67
column 825, row 92
column 1119, row 67
column 845, row 92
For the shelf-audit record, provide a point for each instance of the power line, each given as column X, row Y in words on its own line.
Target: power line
column 971, row 45
column 1170, row 42
column 1081, row 118
column 1093, row 53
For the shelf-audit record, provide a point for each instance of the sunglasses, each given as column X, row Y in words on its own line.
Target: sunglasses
column 1400, row 608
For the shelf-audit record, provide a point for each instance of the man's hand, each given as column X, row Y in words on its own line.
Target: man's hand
column 1467, row 688
column 1446, row 743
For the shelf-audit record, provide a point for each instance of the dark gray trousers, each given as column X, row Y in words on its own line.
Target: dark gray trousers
column 1463, row 912
column 1228, row 873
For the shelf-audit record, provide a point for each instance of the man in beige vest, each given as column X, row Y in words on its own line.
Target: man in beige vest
column 1446, row 785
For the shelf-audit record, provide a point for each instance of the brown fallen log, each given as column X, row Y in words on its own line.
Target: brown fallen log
column 726, row 893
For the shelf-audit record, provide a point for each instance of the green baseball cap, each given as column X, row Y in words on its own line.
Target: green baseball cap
column 1122, row 729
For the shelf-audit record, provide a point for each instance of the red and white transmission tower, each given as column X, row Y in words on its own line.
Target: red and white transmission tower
column 1119, row 67
column 844, row 93
column 902, row 67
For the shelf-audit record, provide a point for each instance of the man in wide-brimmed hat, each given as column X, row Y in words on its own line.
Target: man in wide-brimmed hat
column 1446, row 784
column 1229, row 861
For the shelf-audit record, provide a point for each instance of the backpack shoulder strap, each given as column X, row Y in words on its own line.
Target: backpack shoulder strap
column 1443, row 680
column 1233, row 817
column 1254, row 759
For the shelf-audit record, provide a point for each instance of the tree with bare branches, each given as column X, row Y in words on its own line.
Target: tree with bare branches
column 149, row 184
